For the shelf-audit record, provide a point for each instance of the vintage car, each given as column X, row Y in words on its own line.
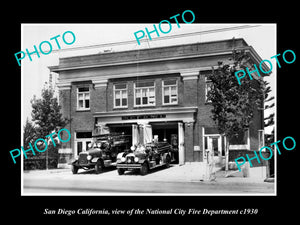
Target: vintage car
column 145, row 157
column 102, row 152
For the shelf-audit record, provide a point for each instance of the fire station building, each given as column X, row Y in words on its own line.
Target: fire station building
column 149, row 93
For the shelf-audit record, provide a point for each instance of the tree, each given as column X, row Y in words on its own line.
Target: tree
column 233, row 105
column 47, row 118
column 269, row 120
column 46, row 113
column 29, row 134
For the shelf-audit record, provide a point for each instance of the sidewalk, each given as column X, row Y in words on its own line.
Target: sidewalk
column 189, row 172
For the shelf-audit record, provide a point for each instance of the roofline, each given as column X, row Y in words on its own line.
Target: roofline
column 59, row 68
column 256, row 58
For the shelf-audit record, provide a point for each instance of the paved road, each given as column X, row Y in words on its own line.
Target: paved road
column 160, row 181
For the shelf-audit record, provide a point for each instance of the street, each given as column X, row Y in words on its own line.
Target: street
column 164, row 181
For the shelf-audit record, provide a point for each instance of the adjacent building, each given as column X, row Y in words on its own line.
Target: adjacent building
column 150, row 93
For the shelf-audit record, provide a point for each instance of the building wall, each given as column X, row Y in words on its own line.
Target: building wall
column 158, row 64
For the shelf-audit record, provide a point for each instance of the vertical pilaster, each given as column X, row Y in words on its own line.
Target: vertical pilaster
column 181, row 153
column 190, row 84
column 189, row 141
column 65, row 151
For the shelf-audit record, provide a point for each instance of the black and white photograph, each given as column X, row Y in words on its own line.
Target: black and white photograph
column 137, row 114
column 174, row 108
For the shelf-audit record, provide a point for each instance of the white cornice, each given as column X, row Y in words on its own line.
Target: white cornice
column 173, row 110
column 57, row 68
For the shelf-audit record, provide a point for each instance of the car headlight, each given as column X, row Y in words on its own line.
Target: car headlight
column 132, row 148
column 136, row 159
column 89, row 157
column 123, row 159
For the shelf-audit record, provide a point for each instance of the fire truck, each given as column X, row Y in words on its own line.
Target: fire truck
column 102, row 152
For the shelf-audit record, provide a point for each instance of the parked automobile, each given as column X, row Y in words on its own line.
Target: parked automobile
column 145, row 157
column 102, row 152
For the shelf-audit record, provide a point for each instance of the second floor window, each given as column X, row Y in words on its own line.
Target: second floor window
column 170, row 95
column 120, row 95
column 144, row 93
column 83, row 98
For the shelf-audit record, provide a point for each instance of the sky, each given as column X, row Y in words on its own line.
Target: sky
column 262, row 37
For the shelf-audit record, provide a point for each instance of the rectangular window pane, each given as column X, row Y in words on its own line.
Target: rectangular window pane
column 80, row 96
column 87, row 95
column 83, row 134
column 145, row 84
column 215, row 146
column 151, row 92
column 118, row 102
column 120, row 86
column 137, row 101
column 166, row 91
column 124, row 94
column 138, row 93
column 169, row 82
column 117, row 94
column 83, row 89
column 166, row 99
column 87, row 103
column 79, row 147
column 144, row 92
column 144, row 100
column 124, row 102
column 151, row 100
column 80, row 104
column 173, row 91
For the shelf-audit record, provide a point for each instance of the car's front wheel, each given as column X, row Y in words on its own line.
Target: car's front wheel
column 120, row 171
column 168, row 161
column 74, row 169
column 99, row 167
column 144, row 169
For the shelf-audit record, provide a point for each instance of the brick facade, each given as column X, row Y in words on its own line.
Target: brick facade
column 188, row 64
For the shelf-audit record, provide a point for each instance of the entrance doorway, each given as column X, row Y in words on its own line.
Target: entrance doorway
column 82, row 140
column 217, row 145
column 125, row 129
column 167, row 132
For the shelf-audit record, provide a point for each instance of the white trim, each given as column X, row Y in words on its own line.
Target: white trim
column 203, row 145
column 190, row 74
column 56, row 69
column 100, row 83
column 174, row 110
column 104, row 78
column 64, row 86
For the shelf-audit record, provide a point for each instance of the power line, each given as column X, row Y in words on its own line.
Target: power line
column 157, row 38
